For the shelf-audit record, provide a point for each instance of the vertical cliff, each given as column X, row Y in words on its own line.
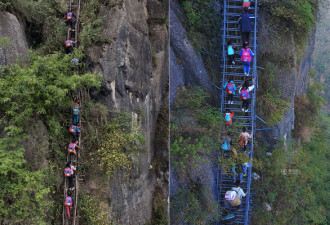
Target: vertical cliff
column 13, row 41
column 135, row 69
column 286, row 61
column 133, row 59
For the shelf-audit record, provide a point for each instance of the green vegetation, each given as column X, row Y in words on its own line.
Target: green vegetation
column 294, row 182
column 271, row 102
column 202, row 23
column 44, row 19
column 121, row 138
column 295, row 16
column 194, row 205
column 36, row 91
column 91, row 22
column 92, row 212
column 194, row 127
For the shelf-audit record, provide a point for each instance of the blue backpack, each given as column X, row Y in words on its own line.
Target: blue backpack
column 227, row 117
column 225, row 146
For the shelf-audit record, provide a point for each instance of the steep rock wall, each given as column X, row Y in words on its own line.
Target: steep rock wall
column 191, row 64
column 12, row 30
column 135, row 70
column 291, row 71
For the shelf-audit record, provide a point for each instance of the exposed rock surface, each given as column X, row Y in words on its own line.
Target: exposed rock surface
column 135, row 70
column 291, row 73
column 13, row 31
column 192, row 64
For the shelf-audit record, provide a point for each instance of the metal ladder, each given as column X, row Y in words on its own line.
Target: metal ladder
column 231, row 12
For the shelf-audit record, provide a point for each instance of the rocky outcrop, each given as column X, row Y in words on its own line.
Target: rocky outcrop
column 13, row 43
column 192, row 64
column 135, row 70
column 291, row 73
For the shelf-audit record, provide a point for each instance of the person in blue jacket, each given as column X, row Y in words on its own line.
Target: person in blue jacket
column 231, row 53
column 230, row 89
column 245, row 24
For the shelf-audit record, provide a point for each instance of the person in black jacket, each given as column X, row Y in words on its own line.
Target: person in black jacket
column 245, row 25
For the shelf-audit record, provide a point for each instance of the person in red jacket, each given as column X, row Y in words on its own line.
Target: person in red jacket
column 229, row 117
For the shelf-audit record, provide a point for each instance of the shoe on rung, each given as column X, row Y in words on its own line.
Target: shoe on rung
column 246, row 110
column 242, row 109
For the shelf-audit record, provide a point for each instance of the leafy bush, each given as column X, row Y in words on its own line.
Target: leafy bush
column 45, row 22
column 39, row 91
column 296, row 16
column 194, row 127
column 193, row 205
column 294, row 182
column 92, row 211
column 202, row 22
column 120, row 140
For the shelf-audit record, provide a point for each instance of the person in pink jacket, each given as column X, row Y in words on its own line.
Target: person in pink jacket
column 244, row 138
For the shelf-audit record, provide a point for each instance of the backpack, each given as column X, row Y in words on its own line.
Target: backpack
column 68, row 43
column 76, row 110
column 72, row 129
column 230, row 88
column 241, row 141
column 224, row 146
column 229, row 219
column 245, row 95
column 68, row 171
column 246, row 57
column 72, row 148
column 69, row 16
column 227, row 117
column 68, row 201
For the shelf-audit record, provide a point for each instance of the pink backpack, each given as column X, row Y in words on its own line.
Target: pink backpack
column 246, row 57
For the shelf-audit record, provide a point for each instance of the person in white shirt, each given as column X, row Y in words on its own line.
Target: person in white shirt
column 239, row 190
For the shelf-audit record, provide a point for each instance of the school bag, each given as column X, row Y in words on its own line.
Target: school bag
column 246, row 57
column 224, row 146
column 68, row 201
column 229, row 219
column 246, row 3
column 245, row 95
column 232, row 198
column 69, row 16
column 76, row 110
column 230, row 88
column 241, row 141
column 227, row 117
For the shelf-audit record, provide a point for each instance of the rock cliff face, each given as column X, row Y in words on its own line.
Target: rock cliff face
column 291, row 75
column 186, row 66
column 135, row 70
column 13, row 42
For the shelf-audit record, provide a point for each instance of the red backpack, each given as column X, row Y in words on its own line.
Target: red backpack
column 241, row 141
column 69, row 16
column 68, row 171
column 230, row 88
column 72, row 148
column 68, row 43
column 245, row 94
column 68, row 201
column 246, row 56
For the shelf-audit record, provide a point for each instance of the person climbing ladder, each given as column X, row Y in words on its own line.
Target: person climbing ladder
column 244, row 92
column 244, row 138
column 71, row 17
column 72, row 149
column 68, row 172
column 246, row 55
column 68, row 202
column 230, row 89
column 74, row 131
column 75, row 111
